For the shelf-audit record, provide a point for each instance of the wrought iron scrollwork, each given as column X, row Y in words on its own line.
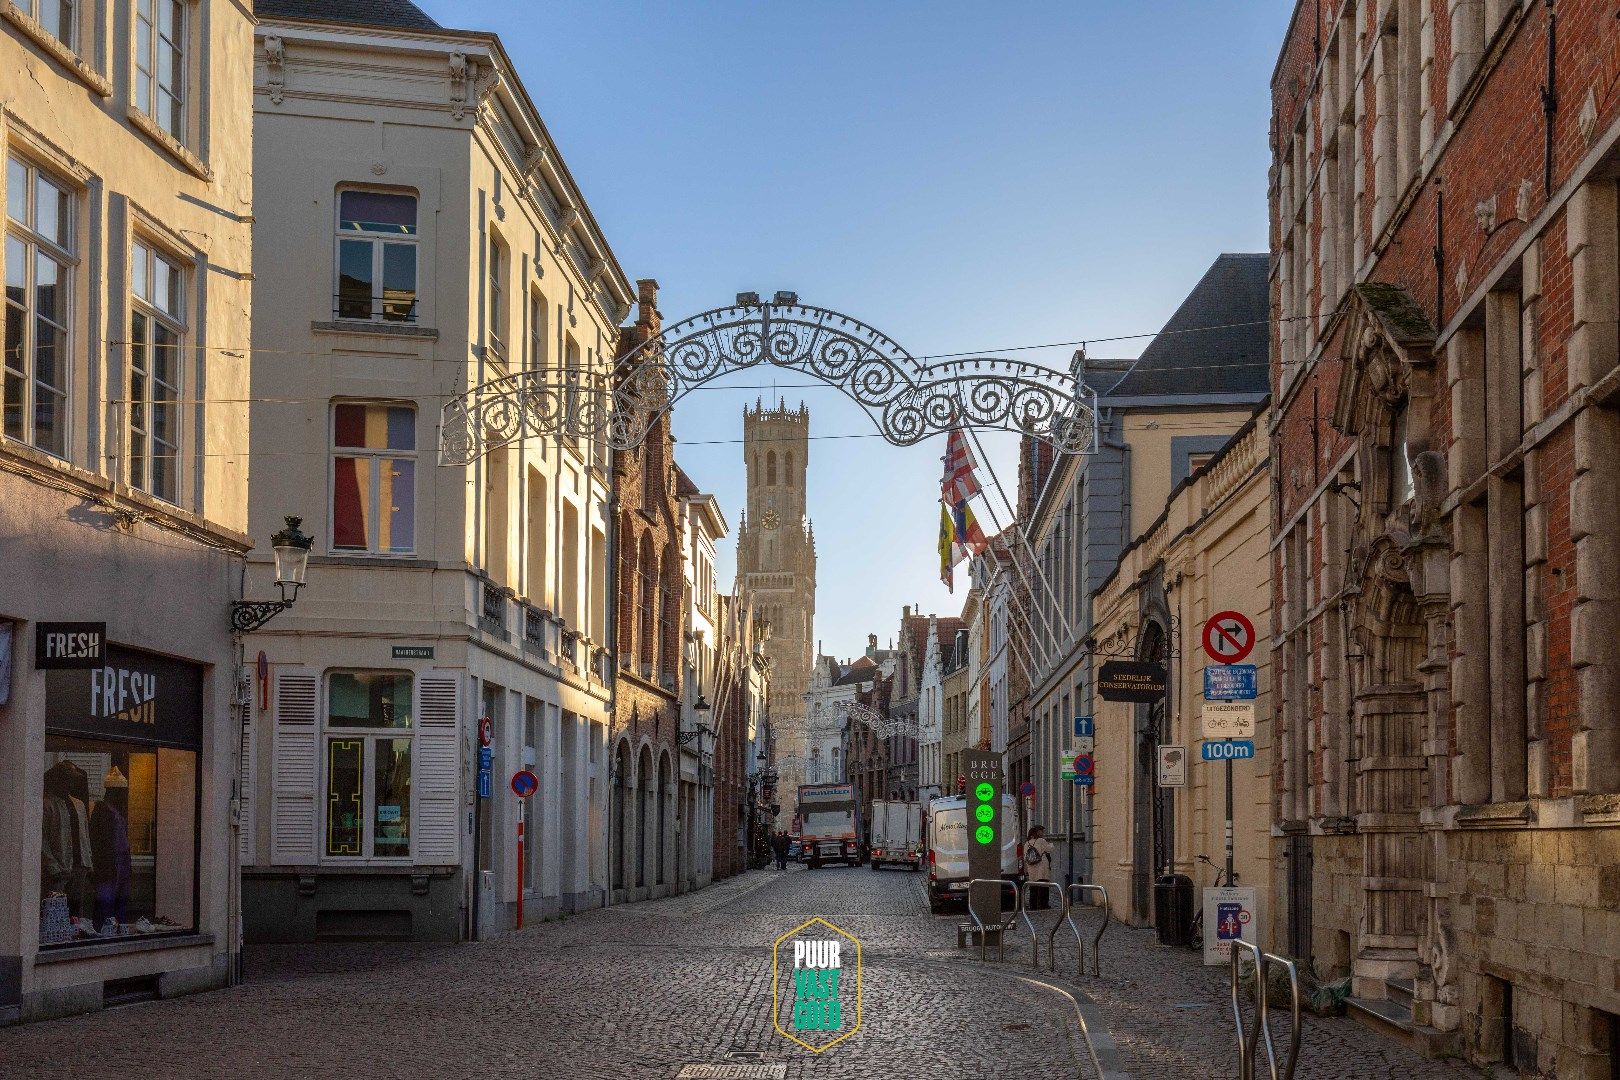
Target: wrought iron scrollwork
column 908, row 400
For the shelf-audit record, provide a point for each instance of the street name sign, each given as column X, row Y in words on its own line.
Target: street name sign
column 1228, row 750
column 1231, row 682
column 1228, row 719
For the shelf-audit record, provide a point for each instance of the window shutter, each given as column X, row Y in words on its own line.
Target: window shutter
column 293, row 772
column 438, row 770
column 245, row 793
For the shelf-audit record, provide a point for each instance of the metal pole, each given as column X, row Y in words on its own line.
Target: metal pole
column 1230, row 880
column 1068, row 869
column 520, row 870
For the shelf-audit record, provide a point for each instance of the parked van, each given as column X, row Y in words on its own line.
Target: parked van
column 947, row 827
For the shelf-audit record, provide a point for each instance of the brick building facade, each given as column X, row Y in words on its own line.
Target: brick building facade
column 1447, row 513
column 649, row 615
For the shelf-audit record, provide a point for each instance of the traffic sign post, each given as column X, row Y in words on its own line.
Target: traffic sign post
column 524, row 784
column 1228, row 637
column 984, row 825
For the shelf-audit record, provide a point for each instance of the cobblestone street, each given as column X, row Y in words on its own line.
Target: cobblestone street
column 645, row 990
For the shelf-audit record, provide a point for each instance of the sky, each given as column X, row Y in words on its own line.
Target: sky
column 961, row 176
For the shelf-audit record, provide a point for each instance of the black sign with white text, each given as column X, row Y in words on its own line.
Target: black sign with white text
column 69, row 646
column 1131, row 680
column 133, row 697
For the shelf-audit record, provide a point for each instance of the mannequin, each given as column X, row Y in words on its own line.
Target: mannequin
column 65, row 852
column 109, row 846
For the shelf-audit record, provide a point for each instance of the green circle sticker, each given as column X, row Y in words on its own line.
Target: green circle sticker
column 985, row 792
column 985, row 812
column 984, row 834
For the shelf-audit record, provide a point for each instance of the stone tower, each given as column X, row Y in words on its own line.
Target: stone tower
column 776, row 570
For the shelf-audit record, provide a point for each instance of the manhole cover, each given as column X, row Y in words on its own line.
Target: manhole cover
column 734, row 1071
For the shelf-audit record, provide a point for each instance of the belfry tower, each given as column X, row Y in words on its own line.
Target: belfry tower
column 776, row 570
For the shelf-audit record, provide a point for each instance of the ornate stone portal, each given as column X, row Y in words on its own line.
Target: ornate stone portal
column 1397, row 606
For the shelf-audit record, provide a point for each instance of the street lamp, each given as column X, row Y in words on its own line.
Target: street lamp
column 291, row 549
column 699, row 706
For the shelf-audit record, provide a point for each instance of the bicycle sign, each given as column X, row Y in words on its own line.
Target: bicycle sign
column 1228, row 637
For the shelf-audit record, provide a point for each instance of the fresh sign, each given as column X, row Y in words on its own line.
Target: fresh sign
column 68, row 646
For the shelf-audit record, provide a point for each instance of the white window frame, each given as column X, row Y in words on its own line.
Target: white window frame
column 500, row 292
column 369, row 737
column 379, row 242
column 147, row 69
column 68, row 14
column 153, row 258
column 35, row 245
column 373, row 456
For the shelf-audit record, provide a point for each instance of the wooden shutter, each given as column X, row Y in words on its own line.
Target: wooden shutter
column 245, row 794
column 438, row 770
column 294, row 772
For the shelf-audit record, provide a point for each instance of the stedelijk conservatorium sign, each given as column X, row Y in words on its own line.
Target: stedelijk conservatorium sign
column 1131, row 680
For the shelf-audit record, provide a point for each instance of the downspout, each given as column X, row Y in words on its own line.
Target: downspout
column 1549, row 98
column 612, row 673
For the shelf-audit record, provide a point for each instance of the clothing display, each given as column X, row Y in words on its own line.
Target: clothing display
column 111, row 867
column 66, row 855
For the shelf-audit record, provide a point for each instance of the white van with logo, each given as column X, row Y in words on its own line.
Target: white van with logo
column 947, row 835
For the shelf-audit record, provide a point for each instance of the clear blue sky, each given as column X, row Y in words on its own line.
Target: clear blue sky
column 959, row 175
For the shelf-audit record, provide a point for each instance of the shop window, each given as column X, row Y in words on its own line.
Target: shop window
column 376, row 256
column 119, row 835
column 368, row 773
column 374, row 478
column 39, row 238
column 160, row 63
column 157, row 331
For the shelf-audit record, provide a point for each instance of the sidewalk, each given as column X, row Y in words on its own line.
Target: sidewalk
column 1171, row 1016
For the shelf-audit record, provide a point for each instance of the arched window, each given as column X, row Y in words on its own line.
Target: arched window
column 770, row 469
column 787, row 468
column 646, row 591
column 669, row 614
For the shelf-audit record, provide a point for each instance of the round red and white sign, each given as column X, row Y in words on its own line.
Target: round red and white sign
column 486, row 731
column 1228, row 637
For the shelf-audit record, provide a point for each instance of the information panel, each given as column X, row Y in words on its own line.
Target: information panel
column 984, row 825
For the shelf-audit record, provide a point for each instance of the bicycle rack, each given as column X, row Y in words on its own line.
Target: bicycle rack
column 1102, row 927
column 1252, row 1036
column 1001, row 930
column 1034, row 948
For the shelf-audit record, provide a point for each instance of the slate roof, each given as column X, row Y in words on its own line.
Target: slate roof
column 1233, row 360
column 398, row 14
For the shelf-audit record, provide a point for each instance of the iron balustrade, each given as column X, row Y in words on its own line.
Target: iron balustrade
column 1101, row 893
column 1254, row 1035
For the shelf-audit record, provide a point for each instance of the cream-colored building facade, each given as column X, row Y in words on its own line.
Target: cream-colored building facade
column 419, row 234
column 1207, row 552
column 127, row 196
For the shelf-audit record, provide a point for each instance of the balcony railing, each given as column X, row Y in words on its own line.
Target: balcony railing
column 534, row 627
column 570, row 648
column 492, row 608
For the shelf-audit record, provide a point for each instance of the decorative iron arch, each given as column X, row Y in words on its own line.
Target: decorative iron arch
column 908, row 400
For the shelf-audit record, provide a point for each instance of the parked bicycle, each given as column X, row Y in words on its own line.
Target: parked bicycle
column 1196, row 938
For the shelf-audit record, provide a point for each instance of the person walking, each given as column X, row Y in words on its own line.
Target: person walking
column 1038, row 866
column 779, row 845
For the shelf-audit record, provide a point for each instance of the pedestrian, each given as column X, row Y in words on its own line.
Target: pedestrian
column 1038, row 866
column 779, row 845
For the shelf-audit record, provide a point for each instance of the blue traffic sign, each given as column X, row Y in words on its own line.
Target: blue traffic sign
column 486, row 758
column 1228, row 750
column 1084, row 779
column 1084, row 728
column 485, row 784
column 1231, row 682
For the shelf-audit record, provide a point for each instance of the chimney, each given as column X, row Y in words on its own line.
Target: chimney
column 647, row 298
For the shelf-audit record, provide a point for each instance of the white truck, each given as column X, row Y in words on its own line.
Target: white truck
column 830, row 827
column 948, row 848
column 896, row 834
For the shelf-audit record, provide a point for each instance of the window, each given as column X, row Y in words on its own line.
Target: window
column 497, row 297
column 120, row 781
column 538, row 325
column 368, row 768
column 160, row 63
column 1401, row 487
column 376, row 256
column 156, row 331
column 39, row 267
column 57, row 17
column 374, row 478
